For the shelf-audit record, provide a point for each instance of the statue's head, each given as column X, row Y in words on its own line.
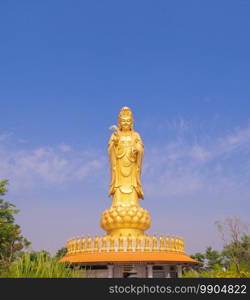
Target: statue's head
column 125, row 119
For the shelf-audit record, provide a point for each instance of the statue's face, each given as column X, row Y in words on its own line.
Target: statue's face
column 126, row 123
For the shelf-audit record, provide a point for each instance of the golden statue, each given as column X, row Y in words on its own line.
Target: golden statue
column 83, row 244
column 78, row 245
column 89, row 244
column 173, row 244
column 129, row 243
column 111, row 243
column 70, row 246
column 177, row 244
column 168, row 243
column 104, row 244
column 75, row 245
column 121, row 243
column 96, row 243
column 125, row 221
column 138, row 243
column 147, row 243
column 154, row 243
column 161, row 241
column 125, row 150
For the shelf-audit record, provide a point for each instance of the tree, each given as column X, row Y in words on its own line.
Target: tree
column 234, row 259
column 11, row 240
column 210, row 258
column 238, row 254
column 213, row 258
column 198, row 256
column 236, row 241
column 61, row 252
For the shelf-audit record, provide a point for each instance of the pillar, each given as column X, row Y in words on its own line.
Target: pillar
column 150, row 271
column 110, row 271
column 167, row 271
column 179, row 271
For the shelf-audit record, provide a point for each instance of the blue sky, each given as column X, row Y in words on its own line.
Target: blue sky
column 66, row 69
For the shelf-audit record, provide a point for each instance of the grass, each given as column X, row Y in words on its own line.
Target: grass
column 41, row 266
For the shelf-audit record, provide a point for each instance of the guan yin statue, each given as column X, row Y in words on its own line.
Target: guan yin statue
column 125, row 150
column 125, row 250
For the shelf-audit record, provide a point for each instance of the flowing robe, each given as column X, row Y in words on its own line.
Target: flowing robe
column 125, row 164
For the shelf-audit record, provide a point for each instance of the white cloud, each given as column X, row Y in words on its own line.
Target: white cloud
column 178, row 168
column 183, row 168
column 47, row 165
column 5, row 136
column 198, row 153
column 236, row 141
column 65, row 148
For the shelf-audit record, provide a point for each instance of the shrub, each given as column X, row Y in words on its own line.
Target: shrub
column 42, row 266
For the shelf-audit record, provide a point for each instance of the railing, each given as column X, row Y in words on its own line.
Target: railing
column 125, row 244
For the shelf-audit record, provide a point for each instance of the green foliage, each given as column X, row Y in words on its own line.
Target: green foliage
column 35, row 254
column 239, row 253
column 236, row 250
column 233, row 261
column 14, row 262
column 39, row 265
column 217, row 272
column 61, row 252
column 214, row 258
column 210, row 259
column 198, row 256
column 11, row 240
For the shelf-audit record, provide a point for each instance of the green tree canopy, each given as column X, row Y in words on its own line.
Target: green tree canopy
column 11, row 240
column 238, row 253
column 198, row 256
column 213, row 258
column 236, row 250
column 233, row 260
column 61, row 252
